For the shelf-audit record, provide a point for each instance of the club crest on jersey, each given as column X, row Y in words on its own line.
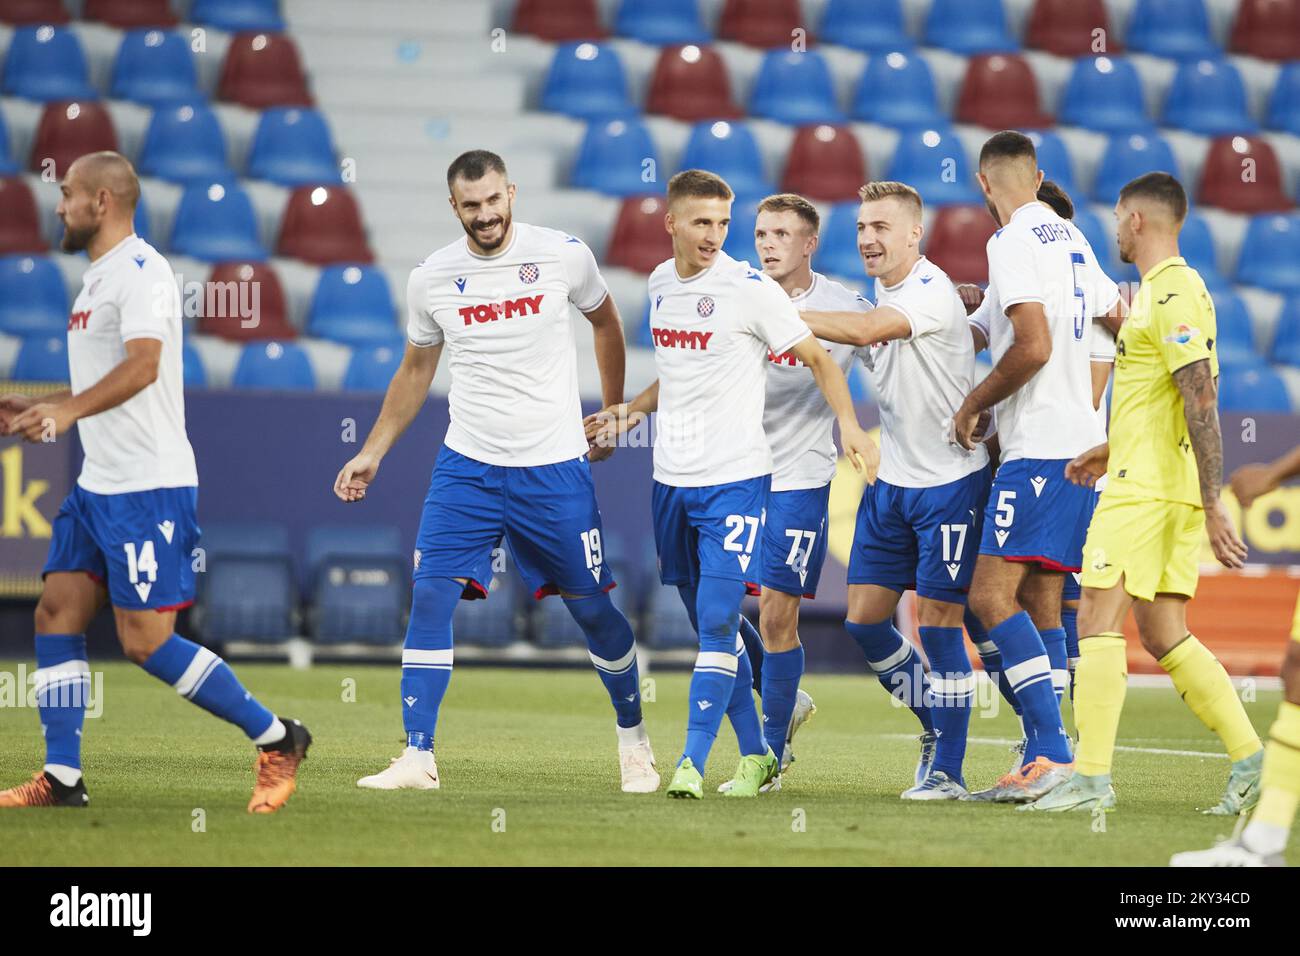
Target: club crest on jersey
column 460, row 283
column 529, row 273
column 1183, row 334
column 705, row 306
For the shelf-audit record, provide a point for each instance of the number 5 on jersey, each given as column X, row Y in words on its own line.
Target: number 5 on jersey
column 737, row 525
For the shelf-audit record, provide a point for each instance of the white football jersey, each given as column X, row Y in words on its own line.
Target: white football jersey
column 507, row 326
column 1040, row 257
column 712, row 335
column 797, row 419
column 921, row 380
column 128, row 293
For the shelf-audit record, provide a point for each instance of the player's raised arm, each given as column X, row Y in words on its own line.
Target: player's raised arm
column 1028, row 353
column 859, row 328
column 1250, row 482
column 862, row 452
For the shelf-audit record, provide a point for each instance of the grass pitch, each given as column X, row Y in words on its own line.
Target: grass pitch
column 530, row 776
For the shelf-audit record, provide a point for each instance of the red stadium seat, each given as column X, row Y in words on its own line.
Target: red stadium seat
column 20, row 225
column 322, row 225
column 261, row 70
column 691, row 83
column 68, row 130
column 1242, row 174
column 230, row 290
column 765, row 23
column 131, row 14
column 640, row 242
column 1066, row 27
column 27, row 13
column 1268, row 29
column 825, row 163
column 1000, row 92
column 957, row 239
column 559, row 20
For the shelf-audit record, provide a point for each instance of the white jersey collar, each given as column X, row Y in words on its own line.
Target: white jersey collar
column 103, row 260
column 503, row 251
column 916, row 266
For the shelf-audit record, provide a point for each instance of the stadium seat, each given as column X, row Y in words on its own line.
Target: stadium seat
column 1196, row 244
column 1269, row 29
column 192, row 370
column 22, row 13
column 261, row 70
column 1286, row 337
column 837, row 250
column 825, row 163
column 140, row 221
column 795, row 88
column 1101, row 238
column 244, row 301
column 370, row 369
column 1104, row 94
column 933, row 161
column 353, row 305
column 586, row 81
column 1284, row 101
column 323, row 226
column 185, row 143
column 660, row 22
column 46, row 63
column 1258, row 389
column 7, row 165
column 1000, row 92
column 969, row 26
column 68, row 131
column 1054, row 159
column 956, row 242
column 875, row 26
column 729, row 150
column 215, row 222
column 358, row 576
column 42, row 358
column 1270, row 253
column 1068, row 27
column 248, row 538
column 897, row 89
column 20, row 224
column 1224, row 179
column 1208, row 97
column 131, row 14
column 639, row 240
column 247, row 590
column 1178, row 29
column 739, row 243
column 155, row 67
column 292, row 147
column 691, row 83
column 280, row 366
column 612, row 158
column 1127, row 156
column 1235, row 336
column 559, row 20
column 765, row 23
column 33, row 299
column 494, row 622
column 236, row 15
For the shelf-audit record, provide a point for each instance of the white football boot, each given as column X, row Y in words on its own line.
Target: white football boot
column 636, row 761
column 413, row 770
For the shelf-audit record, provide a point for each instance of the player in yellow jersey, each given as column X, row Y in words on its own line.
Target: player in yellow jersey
column 1263, row 840
column 1165, row 465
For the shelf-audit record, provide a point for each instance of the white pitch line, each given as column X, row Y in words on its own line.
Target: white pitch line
column 1008, row 742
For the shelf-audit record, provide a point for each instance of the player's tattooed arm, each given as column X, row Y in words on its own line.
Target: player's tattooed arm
column 858, row 328
column 1200, row 409
column 1250, row 482
column 1028, row 353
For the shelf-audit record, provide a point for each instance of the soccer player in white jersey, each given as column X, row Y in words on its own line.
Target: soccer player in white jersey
column 514, row 462
column 126, row 532
column 917, row 525
column 1045, row 288
column 714, row 322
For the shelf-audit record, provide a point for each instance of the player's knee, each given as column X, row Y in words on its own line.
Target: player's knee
column 49, row 616
column 934, row 613
column 595, row 614
column 718, row 607
column 141, row 637
column 779, row 617
column 991, row 609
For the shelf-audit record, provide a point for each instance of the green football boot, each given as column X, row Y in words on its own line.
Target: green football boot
column 754, row 771
column 1243, row 788
column 687, row 783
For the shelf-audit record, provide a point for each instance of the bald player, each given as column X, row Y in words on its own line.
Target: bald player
column 124, row 535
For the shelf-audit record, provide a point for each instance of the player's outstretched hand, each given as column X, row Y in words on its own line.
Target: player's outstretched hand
column 1228, row 547
column 1250, row 482
column 355, row 478
column 971, row 296
column 1088, row 467
column 603, row 429
column 40, row 422
column 10, row 406
column 862, row 452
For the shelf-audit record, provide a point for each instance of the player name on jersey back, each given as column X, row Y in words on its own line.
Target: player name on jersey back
column 507, row 326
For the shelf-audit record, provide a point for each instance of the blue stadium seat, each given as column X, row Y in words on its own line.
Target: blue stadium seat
column 934, row 162
column 1284, row 101
column 612, row 157
column 1258, row 389
column 1172, row 28
column 247, row 589
column 353, row 305
column 1208, row 97
column 155, row 67
column 282, row 366
column 250, row 538
column 372, row 367
column 1099, row 237
column 359, row 576
column 795, row 88
column 1127, row 156
column 729, row 150
column 1286, row 339
column 1054, row 159
column 140, row 221
column 1270, row 253
column 1196, row 243
column 1235, row 341
column 237, row 15
column 969, row 26
column 47, row 63
column 667, row 624
column 7, row 166
column 837, row 250
column 661, row 22
column 739, row 243
column 215, row 223
column 184, row 143
column 33, row 299
column 195, row 375
column 897, row 89
column 42, row 358
column 494, row 622
column 586, row 81
column 292, row 147
column 875, row 26
column 1104, row 93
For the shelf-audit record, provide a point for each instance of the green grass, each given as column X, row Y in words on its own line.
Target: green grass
column 539, row 745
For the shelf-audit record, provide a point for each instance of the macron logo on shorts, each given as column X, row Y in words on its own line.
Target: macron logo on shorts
column 1038, row 481
column 681, row 339
column 1001, row 535
column 490, row 312
column 168, row 528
